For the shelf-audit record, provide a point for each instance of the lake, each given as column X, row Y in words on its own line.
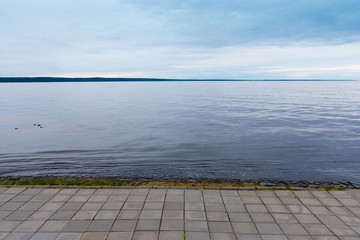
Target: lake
column 278, row 130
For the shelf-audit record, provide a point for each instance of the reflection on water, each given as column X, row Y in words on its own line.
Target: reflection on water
column 274, row 130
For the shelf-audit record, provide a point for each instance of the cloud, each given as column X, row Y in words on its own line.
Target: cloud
column 180, row 39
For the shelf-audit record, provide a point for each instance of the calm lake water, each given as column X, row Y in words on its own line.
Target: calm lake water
column 246, row 130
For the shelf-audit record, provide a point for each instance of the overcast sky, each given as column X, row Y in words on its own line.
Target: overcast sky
column 227, row 39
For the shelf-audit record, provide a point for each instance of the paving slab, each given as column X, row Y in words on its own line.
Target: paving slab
column 167, row 214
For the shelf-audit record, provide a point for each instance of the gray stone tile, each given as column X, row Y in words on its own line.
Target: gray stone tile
column 11, row 206
column 60, row 198
column 196, row 226
column 174, row 198
column 172, row 225
column 220, row 227
column 325, row 238
column 150, row 214
column 71, row 206
column 19, row 215
column 79, row 198
column 194, row 206
column 293, row 229
column 355, row 210
column 198, row 235
column 303, row 194
column 29, row 226
column 41, row 215
column 244, row 228
column 91, row 207
column 107, row 214
column 212, row 199
column 3, row 235
column 223, row 236
column 194, row 199
column 342, row 230
column 217, row 207
column 120, row 236
column 266, row 193
column 262, row 217
column 53, row 226
column 284, row 218
column 284, row 193
column 274, row 237
column 52, row 206
column 319, row 210
column 117, row 198
column 6, row 197
column 321, row 194
column 31, row 206
column 136, row 198
column 148, row 225
column 22, row 198
column 299, row 237
column 169, row 214
column 290, row 201
column 227, row 193
column 32, row 191
column 174, row 206
column 94, row 236
column 13, row 190
column 306, row 218
column 330, row 202
column 349, row 202
column 112, row 205
column 76, row 226
column 232, row 200
column 153, row 206
column 145, row 235
column 340, row 211
column 98, row 198
column 297, row 209
column 330, row 220
column 310, row 202
column 217, row 216
column 195, row 215
column 18, row 236
column 44, row 236
column 175, row 192
column 277, row 209
column 41, row 198
column 128, row 214
column 271, row 200
column 8, row 226
column 350, row 220
column 155, row 198
column 4, row 214
column 256, row 208
column 124, row 226
column 133, row 205
column 171, row 235
column 69, row 236
column 241, row 236
column 240, row 217
column 100, row 226
column 318, row 230
column 251, row 200
column 63, row 215
column 250, row 193
column 84, row 215
column 268, row 228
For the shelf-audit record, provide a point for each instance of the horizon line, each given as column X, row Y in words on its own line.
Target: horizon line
column 144, row 79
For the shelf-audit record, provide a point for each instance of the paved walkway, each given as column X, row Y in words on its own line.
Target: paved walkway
column 166, row 214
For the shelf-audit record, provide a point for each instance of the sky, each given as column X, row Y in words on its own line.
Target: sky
column 202, row 39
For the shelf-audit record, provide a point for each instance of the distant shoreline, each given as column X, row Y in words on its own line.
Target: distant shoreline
column 103, row 79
